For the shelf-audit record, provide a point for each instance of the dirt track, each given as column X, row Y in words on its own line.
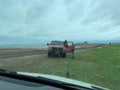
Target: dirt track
column 17, row 52
column 11, row 53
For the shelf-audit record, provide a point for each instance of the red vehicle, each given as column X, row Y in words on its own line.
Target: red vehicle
column 69, row 47
column 58, row 48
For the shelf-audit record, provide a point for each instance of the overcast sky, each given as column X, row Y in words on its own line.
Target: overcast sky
column 34, row 21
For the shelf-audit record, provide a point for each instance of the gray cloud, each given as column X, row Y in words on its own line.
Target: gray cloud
column 60, row 19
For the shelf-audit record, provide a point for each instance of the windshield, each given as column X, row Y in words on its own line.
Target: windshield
column 73, row 39
column 56, row 43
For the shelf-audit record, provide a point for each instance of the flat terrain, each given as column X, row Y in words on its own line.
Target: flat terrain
column 20, row 52
column 99, row 66
column 7, row 53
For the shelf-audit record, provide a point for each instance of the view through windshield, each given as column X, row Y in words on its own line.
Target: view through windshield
column 56, row 43
column 35, row 36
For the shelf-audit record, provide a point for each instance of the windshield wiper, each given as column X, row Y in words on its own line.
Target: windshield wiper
column 76, row 87
column 7, row 71
column 83, row 88
column 69, row 85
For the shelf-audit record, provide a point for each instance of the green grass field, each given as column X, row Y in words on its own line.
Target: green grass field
column 99, row 66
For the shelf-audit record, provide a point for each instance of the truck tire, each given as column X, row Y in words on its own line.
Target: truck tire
column 49, row 54
column 64, row 55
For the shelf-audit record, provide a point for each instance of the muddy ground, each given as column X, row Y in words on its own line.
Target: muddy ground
column 10, row 53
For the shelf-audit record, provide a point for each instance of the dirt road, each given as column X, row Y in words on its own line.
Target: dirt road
column 11, row 53
column 19, row 52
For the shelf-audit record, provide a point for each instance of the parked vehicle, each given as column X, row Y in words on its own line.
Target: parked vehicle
column 58, row 48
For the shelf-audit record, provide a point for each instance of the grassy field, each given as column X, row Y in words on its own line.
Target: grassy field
column 99, row 66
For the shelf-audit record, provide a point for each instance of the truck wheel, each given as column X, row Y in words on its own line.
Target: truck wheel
column 64, row 55
column 49, row 54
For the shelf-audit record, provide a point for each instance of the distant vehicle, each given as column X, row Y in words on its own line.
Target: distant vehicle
column 58, row 48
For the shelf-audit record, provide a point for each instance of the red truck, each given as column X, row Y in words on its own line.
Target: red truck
column 58, row 48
